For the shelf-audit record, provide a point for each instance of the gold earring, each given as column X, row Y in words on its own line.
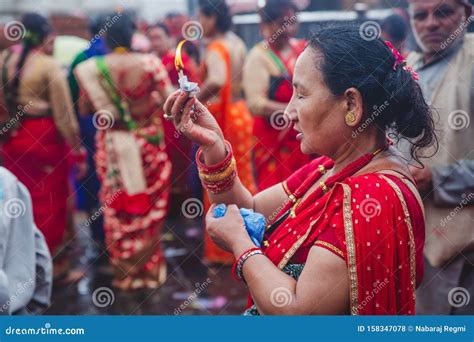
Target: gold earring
column 350, row 118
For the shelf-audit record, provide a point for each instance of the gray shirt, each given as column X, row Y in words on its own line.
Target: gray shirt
column 25, row 262
column 452, row 183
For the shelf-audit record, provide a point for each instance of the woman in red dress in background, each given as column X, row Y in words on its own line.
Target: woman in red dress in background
column 221, row 90
column 346, row 231
column 178, row 147
column 126, row 90
column 41, row 133
column 267, row 79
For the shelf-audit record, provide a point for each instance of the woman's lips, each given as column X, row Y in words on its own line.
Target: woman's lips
column 299, row 136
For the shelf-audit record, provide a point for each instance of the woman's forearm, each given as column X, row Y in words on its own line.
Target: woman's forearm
column 273, row 291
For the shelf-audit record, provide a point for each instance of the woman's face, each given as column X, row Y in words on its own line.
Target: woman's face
column 283, row 28
column 317, row 114
column 160, row 42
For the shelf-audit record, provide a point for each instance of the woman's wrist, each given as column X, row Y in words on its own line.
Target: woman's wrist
column 215, row 153
column 241, row 246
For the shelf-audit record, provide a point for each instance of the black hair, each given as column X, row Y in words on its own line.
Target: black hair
column 121, row 31
column 352, row 59
column 275, row 9
column 396, row 27
column 220, row 10
column 161, row 26
column 37, row 28
column 96, row 23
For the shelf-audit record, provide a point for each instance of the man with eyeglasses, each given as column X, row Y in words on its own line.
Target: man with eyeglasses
column 445, row 68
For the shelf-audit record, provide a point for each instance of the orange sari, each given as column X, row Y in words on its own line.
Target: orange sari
column 236, row 122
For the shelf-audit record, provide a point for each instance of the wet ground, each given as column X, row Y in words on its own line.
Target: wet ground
column 192, row 287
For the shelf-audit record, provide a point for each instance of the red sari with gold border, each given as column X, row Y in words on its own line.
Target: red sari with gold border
column 374, row 221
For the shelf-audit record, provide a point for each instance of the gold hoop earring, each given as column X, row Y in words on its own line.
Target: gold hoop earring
column 350, row 118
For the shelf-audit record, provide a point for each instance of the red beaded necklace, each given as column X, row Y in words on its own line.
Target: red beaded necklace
column 298, row 205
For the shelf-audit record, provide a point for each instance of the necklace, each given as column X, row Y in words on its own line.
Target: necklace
column 324, row 187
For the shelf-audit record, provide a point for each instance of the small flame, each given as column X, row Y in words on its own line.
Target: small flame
column 178, row 61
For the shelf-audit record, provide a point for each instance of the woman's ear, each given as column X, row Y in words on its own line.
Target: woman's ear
column 355, row 107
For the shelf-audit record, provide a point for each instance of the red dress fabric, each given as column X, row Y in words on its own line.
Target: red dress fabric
column 277, row 152
column 374, row 222
column 37, row 155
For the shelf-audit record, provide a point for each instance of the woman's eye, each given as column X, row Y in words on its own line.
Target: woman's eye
column 298, row 96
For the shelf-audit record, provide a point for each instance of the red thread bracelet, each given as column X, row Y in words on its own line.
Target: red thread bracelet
column 237, row 261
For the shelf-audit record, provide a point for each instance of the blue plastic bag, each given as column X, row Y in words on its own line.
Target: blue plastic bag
column 254, row 222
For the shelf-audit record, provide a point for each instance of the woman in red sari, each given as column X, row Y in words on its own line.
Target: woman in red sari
column 179, row 148
column 126, row 89
column 267, row 83
column 346, row 230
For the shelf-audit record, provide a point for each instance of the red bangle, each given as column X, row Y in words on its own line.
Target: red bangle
column 216, row 167
column 238, row 263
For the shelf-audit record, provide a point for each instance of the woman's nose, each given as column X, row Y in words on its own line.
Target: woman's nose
column 290, row 110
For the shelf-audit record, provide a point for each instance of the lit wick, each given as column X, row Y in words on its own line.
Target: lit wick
column 184, row 84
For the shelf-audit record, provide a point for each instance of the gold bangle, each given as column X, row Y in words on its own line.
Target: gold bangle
column 217, row 177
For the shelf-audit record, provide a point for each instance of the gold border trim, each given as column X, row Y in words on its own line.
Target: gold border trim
column 351, row 254
column 330, row 246
column 290, row 195
column 410, row 232
column 300, row 241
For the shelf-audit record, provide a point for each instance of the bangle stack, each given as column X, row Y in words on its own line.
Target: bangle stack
column 220, row 177
column 239, row 262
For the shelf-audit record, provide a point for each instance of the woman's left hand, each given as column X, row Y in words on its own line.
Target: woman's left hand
column 229, row 231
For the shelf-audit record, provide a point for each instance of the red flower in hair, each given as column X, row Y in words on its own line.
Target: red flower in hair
column 399, row 59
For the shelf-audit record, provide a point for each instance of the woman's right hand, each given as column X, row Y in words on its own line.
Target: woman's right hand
column 193, row 119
